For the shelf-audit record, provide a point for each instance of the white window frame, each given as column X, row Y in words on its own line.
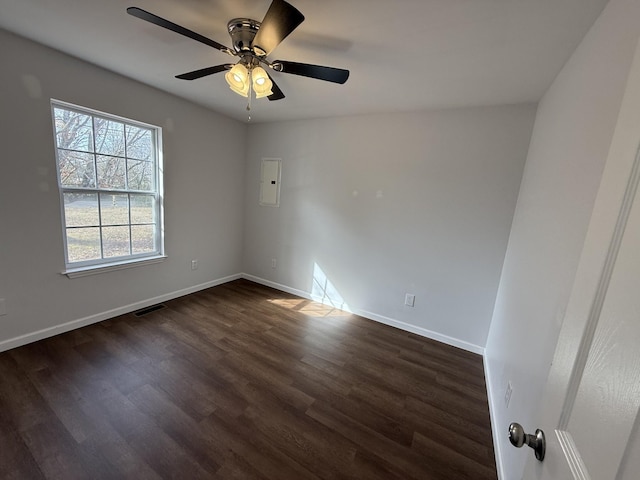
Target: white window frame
column 90, row 267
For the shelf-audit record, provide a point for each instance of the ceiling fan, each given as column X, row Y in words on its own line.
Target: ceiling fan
column 252, row 42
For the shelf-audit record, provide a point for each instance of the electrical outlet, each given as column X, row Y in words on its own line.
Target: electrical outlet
column 409, row 300
column 507, row 394
column 3, row 307
column 194, row 264
column 273, row 263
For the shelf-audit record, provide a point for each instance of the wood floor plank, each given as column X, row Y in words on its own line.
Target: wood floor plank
column 16, row 461
column 54, row 451
column 460, row 466
column 423, row 414
column 323, row 452
column 190, row 395
column 408, row 461
column 21, row 400
column 241, row 381
column 62, row 399
column 256, row 449
column 205, row 449
column 160, row 451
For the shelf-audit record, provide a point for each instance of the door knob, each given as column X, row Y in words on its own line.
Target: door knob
column 518, row 438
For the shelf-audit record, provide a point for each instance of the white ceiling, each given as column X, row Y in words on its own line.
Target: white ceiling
column 402, row 54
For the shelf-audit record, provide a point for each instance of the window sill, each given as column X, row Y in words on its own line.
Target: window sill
column 111, row 267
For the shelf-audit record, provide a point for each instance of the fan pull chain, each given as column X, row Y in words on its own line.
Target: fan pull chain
column 249, row 98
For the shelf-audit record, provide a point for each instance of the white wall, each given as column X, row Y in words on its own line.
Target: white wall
column 571, row 137
column 204, row 181
column 384, row 205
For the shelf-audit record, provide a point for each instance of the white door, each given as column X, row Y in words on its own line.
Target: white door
column 591, row 415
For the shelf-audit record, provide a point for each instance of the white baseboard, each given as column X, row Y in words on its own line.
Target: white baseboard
column 423, row 332
column 277, row 286
column 495, row 430
column 99, row 317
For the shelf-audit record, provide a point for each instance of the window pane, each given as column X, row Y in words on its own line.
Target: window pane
column 76, row 169
column 111, row 172
column 109, row 185
column 142, row 209
column 115, row 241
column 74, row 130
column 139, row 143
column 142, row 240
column 141, row 175
column 81, row 210
column 114, row 209
column 83, row 244
column 109, row 137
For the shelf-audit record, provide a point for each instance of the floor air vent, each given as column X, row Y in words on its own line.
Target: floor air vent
column 150, row 309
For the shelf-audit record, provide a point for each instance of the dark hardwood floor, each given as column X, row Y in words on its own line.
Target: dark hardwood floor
column 243, row 382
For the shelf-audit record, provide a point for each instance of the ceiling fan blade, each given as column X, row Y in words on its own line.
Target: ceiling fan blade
column 277, row 93
column 204, row 72
column 150, row 17
column 330, row 74
column 281, row 19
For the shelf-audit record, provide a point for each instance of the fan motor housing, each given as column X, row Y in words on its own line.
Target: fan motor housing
column 242, row 32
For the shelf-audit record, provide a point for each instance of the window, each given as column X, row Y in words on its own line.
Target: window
column 110, row 181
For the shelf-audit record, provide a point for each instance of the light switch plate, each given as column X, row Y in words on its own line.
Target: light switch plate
column 409, row 300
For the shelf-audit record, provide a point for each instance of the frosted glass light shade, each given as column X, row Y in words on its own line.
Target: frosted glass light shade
column 238, row 79
column 262, row 84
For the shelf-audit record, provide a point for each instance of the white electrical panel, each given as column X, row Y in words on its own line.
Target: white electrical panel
column 270, row 182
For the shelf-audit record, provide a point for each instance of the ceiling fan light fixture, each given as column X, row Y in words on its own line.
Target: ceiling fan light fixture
column 252, row 42
column 262, row 84
column 238, row 79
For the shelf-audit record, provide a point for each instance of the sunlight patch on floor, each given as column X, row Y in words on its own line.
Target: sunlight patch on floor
column 308, row 307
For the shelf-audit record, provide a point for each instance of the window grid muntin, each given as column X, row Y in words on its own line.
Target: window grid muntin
column 153, row 160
